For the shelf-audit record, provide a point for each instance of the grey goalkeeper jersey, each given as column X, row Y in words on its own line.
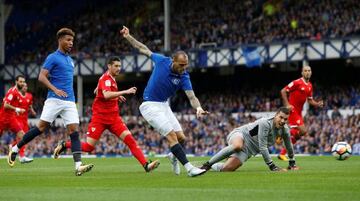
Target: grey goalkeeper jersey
column 261, row 134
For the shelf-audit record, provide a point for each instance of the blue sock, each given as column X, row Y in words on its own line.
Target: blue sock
column 30, row 135
column 75, row 146
column 179, row 153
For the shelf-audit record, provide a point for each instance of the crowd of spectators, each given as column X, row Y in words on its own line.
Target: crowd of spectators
column 193, row 25
column 228, row 110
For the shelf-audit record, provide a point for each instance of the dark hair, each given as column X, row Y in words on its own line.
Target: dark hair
column 65, row 31
column 112, row 59
column 19, row 76
column 284, row 110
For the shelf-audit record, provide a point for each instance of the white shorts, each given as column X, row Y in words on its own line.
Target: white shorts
column 66, row 109
column 160, row 116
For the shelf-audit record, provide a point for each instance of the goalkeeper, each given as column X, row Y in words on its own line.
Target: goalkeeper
column 253, row 138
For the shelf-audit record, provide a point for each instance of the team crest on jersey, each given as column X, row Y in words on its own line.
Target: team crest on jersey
column 175, row 81
column 93, row 129
column 108, row 83
column 302, row 88
column 10, row 97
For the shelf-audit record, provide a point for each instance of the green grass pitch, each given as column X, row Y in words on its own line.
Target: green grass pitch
column 320, row 178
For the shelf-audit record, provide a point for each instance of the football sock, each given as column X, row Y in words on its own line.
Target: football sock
column 135, row 150
column 283, row 151
column 222, row 154
column 75, row 146
column 85, row 147
column 179, row 153
column 217, row 167
column 31, row 134
column 22, row 151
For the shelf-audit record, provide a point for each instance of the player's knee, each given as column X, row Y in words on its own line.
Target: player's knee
column 181, row 139
column 172, row 138
column 238, row 145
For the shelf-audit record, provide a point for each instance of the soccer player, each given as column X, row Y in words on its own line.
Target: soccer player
column 298, row 91
column 106, row 116
column 26, row 100
column 251, row 139
column 9, row 111
column 168, row 76
column 59, row 67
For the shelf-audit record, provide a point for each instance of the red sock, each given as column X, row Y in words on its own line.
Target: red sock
column 294, row 135
column 22, row 149
column 68, row 144
column 135, row 150
column 283, row 151
column 85, row 147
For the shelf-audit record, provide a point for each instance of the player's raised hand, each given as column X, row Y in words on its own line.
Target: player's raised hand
column 122, row 99
column 200, row 112
column 132, row 90
column 320, row 103
column 125, row 32
column 60, row 93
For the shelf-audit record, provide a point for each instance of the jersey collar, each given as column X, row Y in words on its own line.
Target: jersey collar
column 306, row 83
column 107, row 73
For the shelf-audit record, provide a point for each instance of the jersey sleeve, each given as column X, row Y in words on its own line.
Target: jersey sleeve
column 9, row 97
column 263, row 134
column 49, row 63
column 155, row 57
column 186, row 83
column 287, row 141
column 291, row 86
column 104, row 84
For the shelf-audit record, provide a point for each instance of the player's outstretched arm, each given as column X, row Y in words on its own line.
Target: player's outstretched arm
column 43, row 78
column 136, row 44
column 195, row 103
column 16, row 109
column 116, row 94
column 316, row 103
column 284, row 97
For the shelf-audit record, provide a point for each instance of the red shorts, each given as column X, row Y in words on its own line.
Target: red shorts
column 11, row 124
column 24, row 124
column 295, row 119
column 115, row 126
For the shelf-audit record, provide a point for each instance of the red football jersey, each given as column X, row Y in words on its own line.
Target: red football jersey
column 299, row 91
column 25, row 103
column 12, row 97
column 105, row 109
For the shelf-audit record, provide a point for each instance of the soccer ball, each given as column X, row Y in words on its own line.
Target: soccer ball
column 341, row 151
